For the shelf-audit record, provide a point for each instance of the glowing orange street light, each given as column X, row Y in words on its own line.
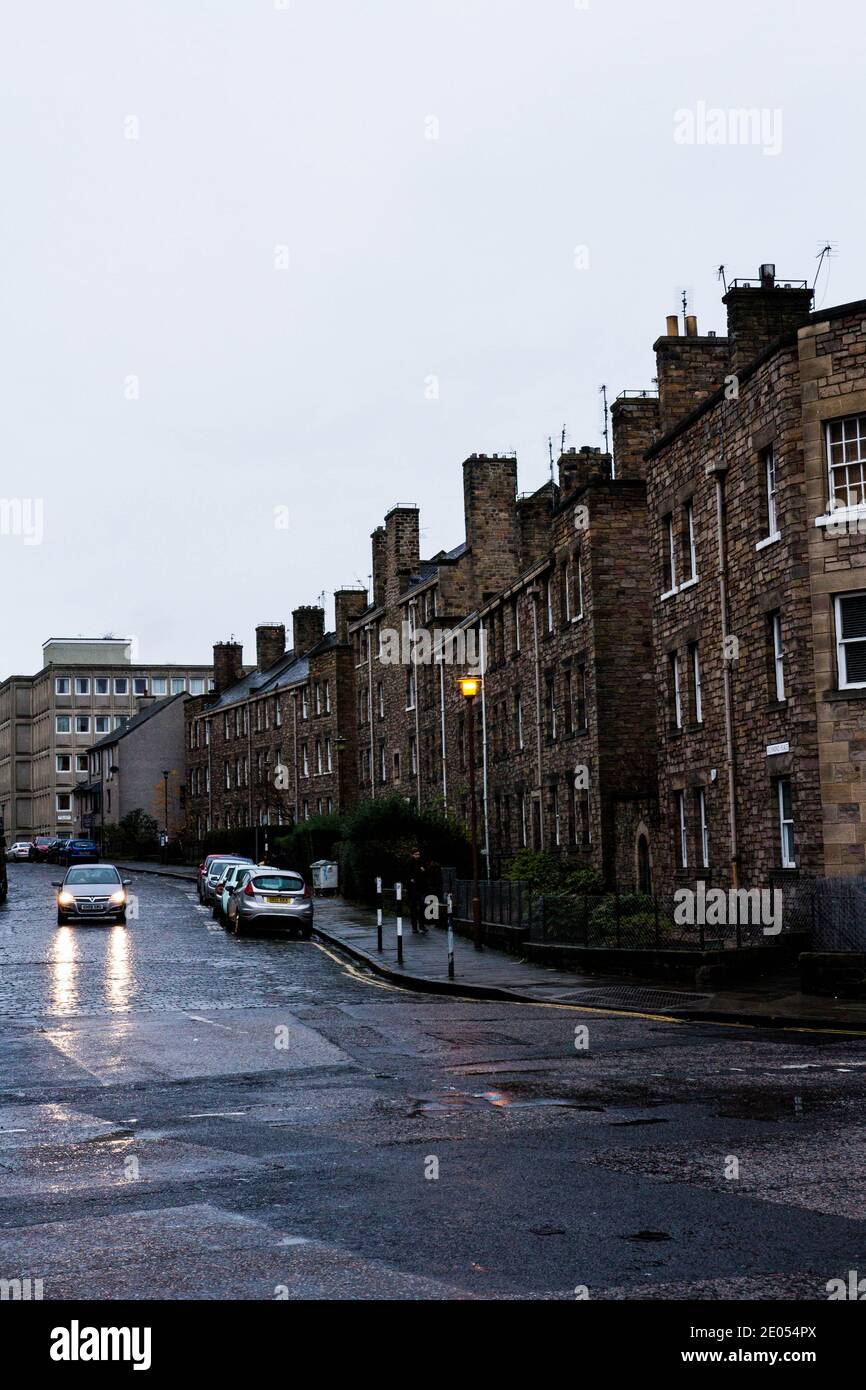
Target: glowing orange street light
column 469, row 687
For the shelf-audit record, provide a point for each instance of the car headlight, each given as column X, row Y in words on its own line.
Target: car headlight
column 118, row 897
column 66, row 899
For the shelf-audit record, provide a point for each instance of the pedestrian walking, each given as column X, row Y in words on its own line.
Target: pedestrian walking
column 416, row 884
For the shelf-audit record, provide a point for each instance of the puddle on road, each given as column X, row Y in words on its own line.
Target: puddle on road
column 442, row 1102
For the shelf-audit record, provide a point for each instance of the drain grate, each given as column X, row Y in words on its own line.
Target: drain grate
column 637, row 997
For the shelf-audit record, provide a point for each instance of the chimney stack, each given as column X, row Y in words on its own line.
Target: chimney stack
column 490, row 514
column 228, row 664
column 308, row 628
column 635, row 421
column 402, row 552
column 577, row 467
column 687, row 369
column 378, row 546
column 760, row 313
column 349, row 604
column 270, row 644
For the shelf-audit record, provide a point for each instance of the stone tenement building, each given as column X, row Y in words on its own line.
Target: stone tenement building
column 675, row 635
column 276, row 744
column 757, row 514
column 554, row 586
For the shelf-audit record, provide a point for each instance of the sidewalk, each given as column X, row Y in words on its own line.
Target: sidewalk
column 491, row 974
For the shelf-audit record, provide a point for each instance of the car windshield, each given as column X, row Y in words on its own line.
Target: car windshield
column 278, row 883
column 93, row 874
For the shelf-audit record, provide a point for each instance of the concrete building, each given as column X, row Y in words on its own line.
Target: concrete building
column 85, row 688
column 126, row 770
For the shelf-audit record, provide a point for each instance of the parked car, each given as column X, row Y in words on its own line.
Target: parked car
column 79, row 852
column 265, row 897
column 91, row 891
column 19, row 850
column 40, row 846
column 224, row 888
column 215, row 871
column 206, row 863
column 55, row 850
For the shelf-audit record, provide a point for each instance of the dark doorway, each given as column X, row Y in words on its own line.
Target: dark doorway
column 644, row 869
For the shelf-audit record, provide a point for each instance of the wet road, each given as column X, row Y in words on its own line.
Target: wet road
column 185, row 1114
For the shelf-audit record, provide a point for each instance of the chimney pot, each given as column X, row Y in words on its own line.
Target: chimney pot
column 673, row 322
column 691, row 326
column 768, row 276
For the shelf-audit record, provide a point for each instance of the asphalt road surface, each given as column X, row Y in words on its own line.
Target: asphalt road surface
column 184, row 1114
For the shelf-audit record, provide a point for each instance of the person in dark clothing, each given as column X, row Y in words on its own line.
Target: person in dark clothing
column 415, row 882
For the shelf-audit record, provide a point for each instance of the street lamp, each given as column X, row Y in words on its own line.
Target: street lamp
column 165, row 777
column 469, row 687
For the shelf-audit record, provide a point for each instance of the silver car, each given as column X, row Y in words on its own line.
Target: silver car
column 20, row 850
column 215, row 871
column 224, row 887
column 272, row 898
column 91, row 892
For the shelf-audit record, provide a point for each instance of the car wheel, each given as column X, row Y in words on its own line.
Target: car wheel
column 238, row 930
column 215, row 912
column 306, row 933
column 121, row 919
column 61, row 919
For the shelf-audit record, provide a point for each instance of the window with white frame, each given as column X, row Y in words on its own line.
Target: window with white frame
column 305, row 760
column 82, row 685
column 410, row 688
column 64, row 802
column 305, row 702
column 675, row 691
column 81, row 762
column 318, row 756
column 121, row 685
column 101, row 723
column 517, row 629
column 329, row 756
column 851, row 640
column 413, row 754
column 703, row 826
column 63, row 762
column 82, row 723
column 669, row 555
column 690, row 554
column 578, row 586
column 318, row 695
column 846, row 461
column 178, row 685
column 697, row 693
column 548, row 602
column 566, row 591
column 785, row 809
column 327, row 697
column 682, row 834
column 196, row 685
column 518, row 709
column 100, row 685
column 61, row 685
column 62, row 724
column 778, row 655
column 227, row 773
column 159, row 685
column 380, row 691
column 139, row 685
column 769, row 462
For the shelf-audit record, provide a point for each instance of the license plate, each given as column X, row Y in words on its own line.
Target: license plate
column 278, row 900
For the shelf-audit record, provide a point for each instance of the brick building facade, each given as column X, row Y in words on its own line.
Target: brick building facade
column 276, row 744
column 674, row 637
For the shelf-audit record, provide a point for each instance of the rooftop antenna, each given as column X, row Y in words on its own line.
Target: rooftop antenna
column 828, row 250
column 685, row 304
column 603, row 393
column 552, row 484
column 562, row 441
column 720, row 275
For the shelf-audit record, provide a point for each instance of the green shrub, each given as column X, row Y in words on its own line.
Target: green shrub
column 379, row 835
column 547, row 873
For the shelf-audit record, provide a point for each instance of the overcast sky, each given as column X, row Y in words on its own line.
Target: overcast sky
column 168, row 384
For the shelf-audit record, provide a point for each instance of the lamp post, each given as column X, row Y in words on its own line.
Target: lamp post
column 469, row 687
column 165, row 776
